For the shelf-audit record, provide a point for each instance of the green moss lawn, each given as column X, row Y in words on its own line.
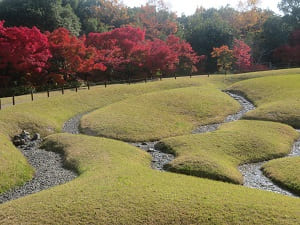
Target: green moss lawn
column 217, row 155
column 154, row 116
column 285, row 172
column 116, row 184
column 277, row 98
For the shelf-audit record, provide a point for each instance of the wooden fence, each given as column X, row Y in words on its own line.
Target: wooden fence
column 87, row 85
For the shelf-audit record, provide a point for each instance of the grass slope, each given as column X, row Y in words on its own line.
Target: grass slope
column 14, row 169
column 223, row 81
column 277, row 98
column 117, row 186
column 217, row 155
column 47, row 116
column 285, row 171
column 160, row 114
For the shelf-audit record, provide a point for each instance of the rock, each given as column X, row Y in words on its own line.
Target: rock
column 36, row 137
column 25, row 135
column 19, row 142
column 151, row 150
column 144, row 143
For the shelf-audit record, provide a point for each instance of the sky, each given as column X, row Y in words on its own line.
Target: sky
column 188, row 7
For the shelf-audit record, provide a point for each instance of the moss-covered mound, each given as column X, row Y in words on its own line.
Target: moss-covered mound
column 117, row 186
column 160, row 114
column 277, row 98
column 217, row 155
column 285, row 172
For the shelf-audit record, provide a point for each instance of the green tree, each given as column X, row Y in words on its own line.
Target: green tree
column 274, row 34
column 47, row 15
column 101, row 15
column 205, row 30
column 291, row 9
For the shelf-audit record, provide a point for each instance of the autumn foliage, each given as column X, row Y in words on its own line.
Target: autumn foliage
column 224, row 58
column 126, row 50
column 59, row 57
column 242, row 55
column 239, row 58
column 70, row 56
column 23, row 51
column 289, row 53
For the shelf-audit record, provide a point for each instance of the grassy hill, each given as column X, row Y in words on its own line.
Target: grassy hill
column 277, row 98
column 285, row 172
column 116, row 184
column 217, row 155
column 154, row 116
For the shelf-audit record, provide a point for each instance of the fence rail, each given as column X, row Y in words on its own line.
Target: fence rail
column 32, row 96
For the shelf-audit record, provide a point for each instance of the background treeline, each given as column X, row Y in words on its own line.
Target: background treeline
column 268, row 40
column 262, row 30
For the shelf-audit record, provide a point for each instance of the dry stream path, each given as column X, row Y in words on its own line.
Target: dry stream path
column 49, row 168
column 51, row 172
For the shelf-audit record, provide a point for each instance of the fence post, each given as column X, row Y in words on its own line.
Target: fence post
column 31, row 95
column 48, row 93
column 76, row 88
column 62, row 90
column 190, row 75
column 105, row 83
column 13, row 100
column 175, row 76
column 88, row 85
column 208, row 75
column 160, row 77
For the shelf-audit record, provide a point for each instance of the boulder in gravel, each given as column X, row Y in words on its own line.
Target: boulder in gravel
column 18, row 141
column 36, row 137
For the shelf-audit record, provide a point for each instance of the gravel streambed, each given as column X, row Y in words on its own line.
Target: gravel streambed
column 246, row 107
column 49, row 168
column 254, row 177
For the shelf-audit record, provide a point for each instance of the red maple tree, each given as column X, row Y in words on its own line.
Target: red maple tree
column 23, row 52
column 242, row 55
column 71, row 56
column 187, row 58
column 161, row 60
column 122, row 49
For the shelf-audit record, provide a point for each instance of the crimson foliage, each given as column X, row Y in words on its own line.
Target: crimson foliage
column 242, row 55
column 24, row 51
column 70, row 56
column 59, row 57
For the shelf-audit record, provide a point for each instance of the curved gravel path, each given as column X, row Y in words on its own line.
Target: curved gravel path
column 49, row 170
column 253, row 176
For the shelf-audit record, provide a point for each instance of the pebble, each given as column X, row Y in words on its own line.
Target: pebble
column 49, row 169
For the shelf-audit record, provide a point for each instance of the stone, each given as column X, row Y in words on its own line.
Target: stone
column 25, row 135
column 36, row 137
column 151, row 150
